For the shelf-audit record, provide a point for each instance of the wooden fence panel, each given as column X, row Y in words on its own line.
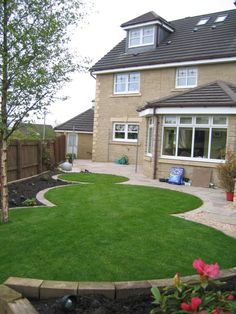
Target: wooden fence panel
column 25, row 158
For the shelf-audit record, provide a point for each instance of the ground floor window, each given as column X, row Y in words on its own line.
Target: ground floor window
column 195, row 136
column 125, row 132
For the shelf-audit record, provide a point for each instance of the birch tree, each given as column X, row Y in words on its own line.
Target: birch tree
column 35, row 62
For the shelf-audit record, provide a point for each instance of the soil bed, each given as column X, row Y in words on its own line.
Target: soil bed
column 99, row 305
column 28, row 189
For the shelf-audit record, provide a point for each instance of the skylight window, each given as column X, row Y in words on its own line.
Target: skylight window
column 203, row 21
column 220, row 18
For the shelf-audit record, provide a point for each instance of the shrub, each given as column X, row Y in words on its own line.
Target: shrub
column 204, row 297
column 30, row 202
column 227, row 172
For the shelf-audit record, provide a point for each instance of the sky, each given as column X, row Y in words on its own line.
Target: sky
column 102, row 31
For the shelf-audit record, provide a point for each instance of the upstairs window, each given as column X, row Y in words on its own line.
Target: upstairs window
column 186, row 77
column 142, row 36
column 127, row 83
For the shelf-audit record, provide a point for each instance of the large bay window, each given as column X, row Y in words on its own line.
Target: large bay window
column 126, row 83
column 194, row 137
column 125, row 132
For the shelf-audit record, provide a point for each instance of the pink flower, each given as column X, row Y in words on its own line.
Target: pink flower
column 206, row 270
column 230, row 297
column 191, row 308
column 216, row 311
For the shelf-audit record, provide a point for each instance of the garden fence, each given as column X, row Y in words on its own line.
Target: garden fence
column 27, row 158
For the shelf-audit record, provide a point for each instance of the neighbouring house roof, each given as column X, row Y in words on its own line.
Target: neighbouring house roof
column 81, row 123
column 189, row 42
column 214, row 94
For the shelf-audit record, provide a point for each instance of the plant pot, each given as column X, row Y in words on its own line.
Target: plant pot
column 230, row 196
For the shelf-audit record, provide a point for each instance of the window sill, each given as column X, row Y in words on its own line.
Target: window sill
column 124, row 143
column 125, row 95
column 182, row 89
column 147, row 158
column 190, row 161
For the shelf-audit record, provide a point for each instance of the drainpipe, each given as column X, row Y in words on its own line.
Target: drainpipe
column 91, row 73
column 155, row 147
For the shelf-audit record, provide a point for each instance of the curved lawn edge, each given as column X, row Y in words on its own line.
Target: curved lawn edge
column 91, row 177
column 48, row 289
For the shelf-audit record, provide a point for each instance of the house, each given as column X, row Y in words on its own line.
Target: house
column 79, row 134
column 166, row 95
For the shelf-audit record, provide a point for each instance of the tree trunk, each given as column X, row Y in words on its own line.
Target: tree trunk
column 3, row 119
column 3, row 182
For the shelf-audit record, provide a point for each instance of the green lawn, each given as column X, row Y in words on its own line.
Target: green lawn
column 109, row 232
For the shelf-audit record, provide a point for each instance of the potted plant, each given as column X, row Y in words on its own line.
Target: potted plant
column 227, row 175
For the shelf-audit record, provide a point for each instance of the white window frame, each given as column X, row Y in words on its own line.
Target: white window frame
column 127, row 83
column 150, row 136
column 141, row 36
column 126, row 132
column 211, row 126
column 186, row 85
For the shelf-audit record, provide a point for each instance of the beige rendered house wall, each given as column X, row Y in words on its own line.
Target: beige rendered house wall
column 154, row 84
column 85, row 142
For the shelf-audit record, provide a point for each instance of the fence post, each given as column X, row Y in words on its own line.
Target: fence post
column 19, row 159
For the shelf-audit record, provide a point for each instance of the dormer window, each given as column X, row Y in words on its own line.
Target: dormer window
column 220, row 18
column 142, row 36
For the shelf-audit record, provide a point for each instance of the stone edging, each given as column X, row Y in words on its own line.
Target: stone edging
column 48, row 289
column 14, row 301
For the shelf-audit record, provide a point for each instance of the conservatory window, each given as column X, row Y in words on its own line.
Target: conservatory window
column 149, row 140
column 195, row 137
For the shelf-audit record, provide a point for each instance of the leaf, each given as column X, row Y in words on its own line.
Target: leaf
column 157, row 295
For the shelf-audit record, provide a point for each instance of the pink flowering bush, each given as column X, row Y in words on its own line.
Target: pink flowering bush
column 204, row 297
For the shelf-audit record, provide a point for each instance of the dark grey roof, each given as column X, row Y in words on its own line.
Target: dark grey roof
column 81, row 123
column 147, row 17
column 214, row 94
column 184, row 44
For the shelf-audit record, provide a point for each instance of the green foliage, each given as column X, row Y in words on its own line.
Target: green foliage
column 32, row 132
column 30, row 202
column 227, row 172
column 70, row 157
column 208, row 293
column 46, row 158
column 35, row 57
